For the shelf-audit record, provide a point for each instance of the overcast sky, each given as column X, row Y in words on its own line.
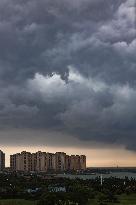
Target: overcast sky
column 68, row 73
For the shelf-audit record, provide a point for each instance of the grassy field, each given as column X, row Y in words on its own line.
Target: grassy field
column 123, row 199
column 128, row 199
column 16, row 202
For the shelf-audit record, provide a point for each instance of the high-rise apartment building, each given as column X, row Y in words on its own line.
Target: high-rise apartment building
column 26, row 161
column 51, row 161
column 2, row 160
column 15, row 162
column 40, row 161
column 67, row 162
column 82, row 162
column 44, row 162
column 33, row 161
column 12, row 162
column 60, row 161
column 21, row 161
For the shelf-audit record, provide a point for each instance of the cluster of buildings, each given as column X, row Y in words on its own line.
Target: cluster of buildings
column 44, row 162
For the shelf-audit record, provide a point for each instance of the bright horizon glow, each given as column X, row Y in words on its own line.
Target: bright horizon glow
column 96, row 157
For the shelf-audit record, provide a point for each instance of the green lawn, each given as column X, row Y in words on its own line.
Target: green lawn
column 16, row 202
column 123, row 199
column 128, row 199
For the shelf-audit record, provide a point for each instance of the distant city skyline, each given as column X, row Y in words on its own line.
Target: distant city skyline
column 46, row 161
column 43, row 161
column 95, row 157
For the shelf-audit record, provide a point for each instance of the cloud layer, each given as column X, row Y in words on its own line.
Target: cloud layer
column 70, row 67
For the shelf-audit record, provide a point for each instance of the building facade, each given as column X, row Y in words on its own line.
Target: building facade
column 45, row 162
column 83, row 162
column 60, row 158
column 2, row 160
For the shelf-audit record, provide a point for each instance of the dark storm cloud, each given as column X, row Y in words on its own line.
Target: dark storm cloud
column 70, row 67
